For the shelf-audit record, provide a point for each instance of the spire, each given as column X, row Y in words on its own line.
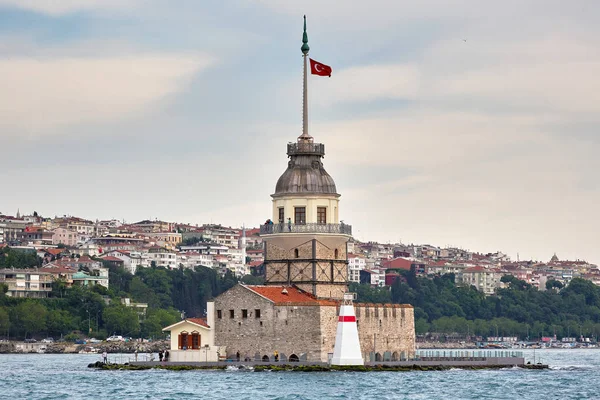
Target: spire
column 305, row 47
column 305, row 136
column 18, row 213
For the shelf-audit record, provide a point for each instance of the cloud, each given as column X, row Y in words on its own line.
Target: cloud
column 61, row 7
column 371, row 82
column 42, row 94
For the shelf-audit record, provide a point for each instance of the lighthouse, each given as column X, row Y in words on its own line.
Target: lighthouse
column 347, row 344
column 306, row 243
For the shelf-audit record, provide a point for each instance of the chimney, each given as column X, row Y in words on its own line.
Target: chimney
column 284, row 291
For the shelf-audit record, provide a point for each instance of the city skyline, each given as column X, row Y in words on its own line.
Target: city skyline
column 463, row 124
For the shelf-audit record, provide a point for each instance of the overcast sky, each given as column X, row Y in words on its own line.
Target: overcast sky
column 452, row 122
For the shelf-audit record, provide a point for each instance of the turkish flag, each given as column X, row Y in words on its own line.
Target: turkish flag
column 317, row 68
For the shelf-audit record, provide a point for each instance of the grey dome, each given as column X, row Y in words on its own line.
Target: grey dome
column 305, row 173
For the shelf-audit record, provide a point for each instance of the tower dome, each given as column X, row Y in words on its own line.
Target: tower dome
column 305, row 173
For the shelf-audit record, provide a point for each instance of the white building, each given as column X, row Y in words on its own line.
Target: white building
column 162, row 257
column 356, row 263
column 132, row 260
column 486, row 280
column 190, row 259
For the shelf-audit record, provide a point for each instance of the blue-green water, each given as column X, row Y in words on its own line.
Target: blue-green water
column 574, row 374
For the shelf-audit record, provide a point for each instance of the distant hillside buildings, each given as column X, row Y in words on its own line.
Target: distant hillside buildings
column 173, row 245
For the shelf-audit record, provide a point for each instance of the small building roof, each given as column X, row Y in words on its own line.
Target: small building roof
column 194, row 321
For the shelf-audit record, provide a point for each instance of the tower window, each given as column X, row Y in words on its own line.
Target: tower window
column 299, row 215
column 257, row 313
column 231, row 314
column 296, row 253
column 336, row 253
column 219, row 314
column 281, row 214
column 244, row 313
column 321, row 215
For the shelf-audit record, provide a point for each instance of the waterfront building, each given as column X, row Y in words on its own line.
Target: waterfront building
column 193, row 339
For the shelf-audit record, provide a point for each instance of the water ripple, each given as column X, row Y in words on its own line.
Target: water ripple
column 54, row 377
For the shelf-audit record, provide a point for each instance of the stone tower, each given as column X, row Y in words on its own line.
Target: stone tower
column 305, row 245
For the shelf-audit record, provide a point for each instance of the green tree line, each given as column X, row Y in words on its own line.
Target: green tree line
column 10, row 258
column 97, row 312
column 519, row 309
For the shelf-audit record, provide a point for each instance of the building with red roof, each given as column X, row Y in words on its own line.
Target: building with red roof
column 255, row 321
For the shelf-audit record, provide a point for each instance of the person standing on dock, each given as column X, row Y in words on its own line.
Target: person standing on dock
column 160, row 355
column 105, row 357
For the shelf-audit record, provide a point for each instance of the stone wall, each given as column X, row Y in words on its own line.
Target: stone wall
column 285, row 329
column 387, row 330
column 313, row 276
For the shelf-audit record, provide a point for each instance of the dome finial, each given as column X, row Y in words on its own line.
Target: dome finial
column 305, row 47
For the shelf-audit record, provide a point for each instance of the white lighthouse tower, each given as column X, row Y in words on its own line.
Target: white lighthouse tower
column 347, row 345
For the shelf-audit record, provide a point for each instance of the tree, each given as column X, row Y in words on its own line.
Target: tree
column 121, row 320
column 31, row 317
column 4, row 321
column 156, row 321
column 554, row 284
column 253, row 280
column 59, row 322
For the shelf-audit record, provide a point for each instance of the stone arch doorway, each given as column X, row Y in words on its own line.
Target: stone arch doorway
column 265, row 358
column 377, row 357
column 395, row 356
column 294, row 358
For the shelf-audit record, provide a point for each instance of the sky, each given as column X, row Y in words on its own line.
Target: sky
column 462, row 123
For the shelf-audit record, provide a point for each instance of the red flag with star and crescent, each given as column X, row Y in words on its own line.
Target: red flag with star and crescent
column 317, row 68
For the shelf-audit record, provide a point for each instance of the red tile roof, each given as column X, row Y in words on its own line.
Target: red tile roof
column 398, row 263
column 255, row 263
column 294, row 296
column 58, row 270
column 199, row 321
column 111, row 258
column 54, row 252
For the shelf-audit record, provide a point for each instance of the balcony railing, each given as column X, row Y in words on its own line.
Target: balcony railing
column 305, row 148
column 343, row 229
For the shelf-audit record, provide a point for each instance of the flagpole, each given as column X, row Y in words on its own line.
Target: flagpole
column 305, row 49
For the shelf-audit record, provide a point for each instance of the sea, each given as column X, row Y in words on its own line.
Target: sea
column 573, row 374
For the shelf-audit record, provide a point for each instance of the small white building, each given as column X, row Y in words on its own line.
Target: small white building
column 193, row 339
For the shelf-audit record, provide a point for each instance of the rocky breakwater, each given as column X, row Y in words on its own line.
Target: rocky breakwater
column 70, row 348
column 131, row 347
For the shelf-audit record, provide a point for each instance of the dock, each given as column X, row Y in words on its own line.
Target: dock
column 430, row 360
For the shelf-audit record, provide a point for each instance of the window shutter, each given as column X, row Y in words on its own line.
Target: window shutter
column 189, row 342
column 180, row 344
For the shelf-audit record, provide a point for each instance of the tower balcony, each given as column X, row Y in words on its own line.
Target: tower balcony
column 305, row 148
column 340, row 229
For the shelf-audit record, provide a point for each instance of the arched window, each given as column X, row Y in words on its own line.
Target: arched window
column 296, row 253
column 265, row 358
column 336, row 253
column 195, row 340
column 294, row 358
column 183, row 340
